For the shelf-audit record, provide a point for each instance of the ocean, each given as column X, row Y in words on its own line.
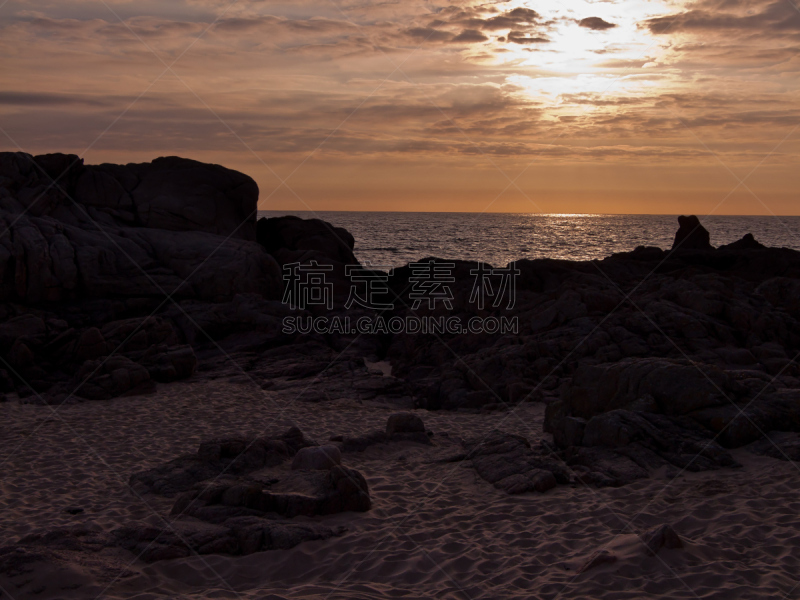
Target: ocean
column 392, row 239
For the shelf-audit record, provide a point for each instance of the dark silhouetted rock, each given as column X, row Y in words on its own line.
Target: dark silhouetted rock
column 135, row 230
column 292, row 239
column 691, row 235
column 317, row 458
column 748, row 242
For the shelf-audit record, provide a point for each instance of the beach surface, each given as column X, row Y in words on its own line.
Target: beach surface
column 436, row 530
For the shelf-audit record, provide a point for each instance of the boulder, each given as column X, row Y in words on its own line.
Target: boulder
column 103, row 379
column 297, row 493
column 321, row 458
column 404, row 423
column 691, row 235
column 509, row 463
column 298, row 240
column 234, row 456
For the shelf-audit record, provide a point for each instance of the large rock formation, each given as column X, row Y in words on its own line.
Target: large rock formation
column 173, row 226
column 89, row 253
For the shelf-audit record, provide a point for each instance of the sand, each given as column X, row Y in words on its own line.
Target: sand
column 436, row 530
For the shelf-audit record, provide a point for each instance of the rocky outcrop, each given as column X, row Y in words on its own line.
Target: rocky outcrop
column 170, row 227
column 171, row 193
column 87, row 251
column 691, row 235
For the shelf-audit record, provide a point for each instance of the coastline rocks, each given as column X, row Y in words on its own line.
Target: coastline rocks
column 691, row 235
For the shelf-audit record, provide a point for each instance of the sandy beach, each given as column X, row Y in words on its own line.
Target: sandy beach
column 436, row 530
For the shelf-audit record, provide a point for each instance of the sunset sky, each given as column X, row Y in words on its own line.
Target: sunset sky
column 617, row 106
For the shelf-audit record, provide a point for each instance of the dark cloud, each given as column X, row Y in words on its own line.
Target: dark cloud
column 596, row 24
column 515, row 18
column 519, row 37
column 470, row 35
column 429, row 34
column 778, row 16
column 31, row 99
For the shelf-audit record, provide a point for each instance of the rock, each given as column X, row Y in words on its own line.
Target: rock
column 317, row 458
column 115, row 376
column 298, row 493
column 91, row 345
column 748, row 242
column 166, row 364
column 306, row 239
column 172, row 226
column 404, row 423
column 691, row 235
column 778, row 445
column 236, row 456
column 663, row 536
column 509, row 463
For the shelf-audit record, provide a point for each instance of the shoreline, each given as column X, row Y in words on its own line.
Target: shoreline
column 636, row 430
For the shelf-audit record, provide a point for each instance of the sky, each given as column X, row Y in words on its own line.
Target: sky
column 553, row 106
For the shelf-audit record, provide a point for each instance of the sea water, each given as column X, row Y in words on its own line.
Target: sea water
column 392, row 239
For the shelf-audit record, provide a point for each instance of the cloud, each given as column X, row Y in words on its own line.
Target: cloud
column 518, row 37
column 776, row 17
column 596, row 24
column 31, row 99
column 470, row 35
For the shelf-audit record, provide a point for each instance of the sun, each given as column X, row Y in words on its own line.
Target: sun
column 590, row 46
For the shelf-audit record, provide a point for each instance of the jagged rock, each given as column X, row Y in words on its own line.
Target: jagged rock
column 691, row 235
column 509, row 463
column 236, row 456
column 659, row 537
column 317, row 458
